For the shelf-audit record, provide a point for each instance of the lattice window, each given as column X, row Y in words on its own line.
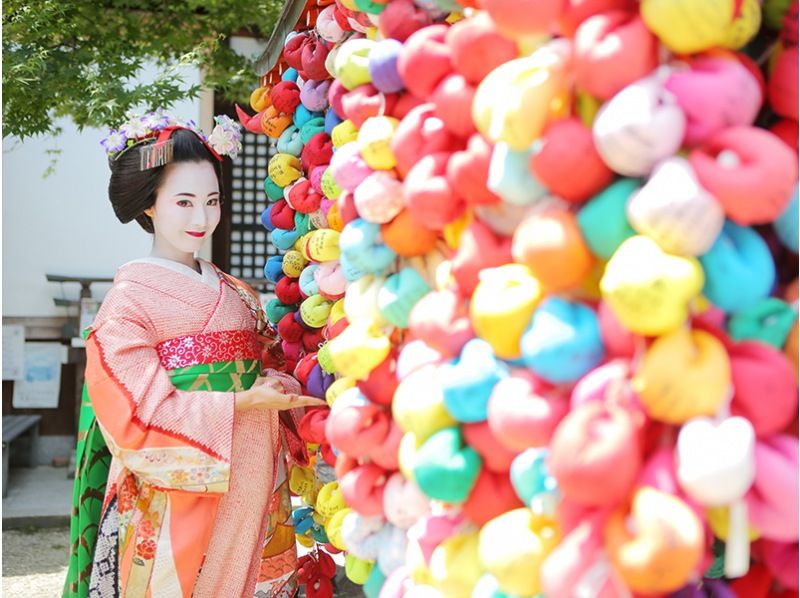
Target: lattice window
column 247, row 245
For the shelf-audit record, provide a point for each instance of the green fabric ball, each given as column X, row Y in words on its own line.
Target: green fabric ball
column 370, row 7
column 769, row 321
column 311, row 128
column 603, row 221
column 399, row 294
column 276, row 310
column 446, row 469
column 325, row 360
column 302, row 224
column 274, row 191
column 374, row 583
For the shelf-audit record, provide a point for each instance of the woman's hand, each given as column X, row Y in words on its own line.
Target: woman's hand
column 267, row 393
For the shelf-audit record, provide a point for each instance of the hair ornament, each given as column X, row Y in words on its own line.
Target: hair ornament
column 152, row 132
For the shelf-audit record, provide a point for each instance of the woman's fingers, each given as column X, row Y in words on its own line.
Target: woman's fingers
column 267, row 397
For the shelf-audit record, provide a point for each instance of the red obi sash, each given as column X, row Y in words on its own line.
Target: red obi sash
column 209, row 347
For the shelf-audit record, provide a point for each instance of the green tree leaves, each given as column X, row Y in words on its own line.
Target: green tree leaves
column 80, row 58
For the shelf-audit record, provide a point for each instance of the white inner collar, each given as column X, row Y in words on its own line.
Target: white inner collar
column 206, row 275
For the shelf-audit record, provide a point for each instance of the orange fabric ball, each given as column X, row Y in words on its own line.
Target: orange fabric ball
column 406, row 237
column 551, row 245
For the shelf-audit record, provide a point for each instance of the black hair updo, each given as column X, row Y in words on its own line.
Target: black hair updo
column 132, row 191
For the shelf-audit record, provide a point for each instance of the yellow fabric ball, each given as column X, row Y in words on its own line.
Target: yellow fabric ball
column 455, row 567
column 314, row 311
column 284, row 169
column 344, row 132
column 648, row 290
column 684, row 374
column 516, row 101
column 359, row 349
column 329, row 500
column 502, row 306
column 351, row 64
column 513, row 547
column 373, row 142
column 293, row 263
column 418, row 404
column 323, row 245
column 357, row 570
column 333, row 528
column 337, row 388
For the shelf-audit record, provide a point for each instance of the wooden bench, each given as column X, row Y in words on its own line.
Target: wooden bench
column 15, row 427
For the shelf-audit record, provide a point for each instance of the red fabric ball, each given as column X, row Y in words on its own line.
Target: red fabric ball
column 313, row 59
column 336, row 92
column 492, row 495
column 317, row 152
column 381, row 383
column 362, row 489
column 496, row 457
column 478, row 47
column 453, row 100
column 425, row 60
column 304, row 367
column 293, row 51
column 303, row 197
column 479, row 248
column 468, row 171
column 429, row 196
column 419, row 134
column 576, row 12
column 347, row 207
column 567, row 163
column 313, row 340
column 365, row 101
column 288, row 327
column 782, row 86
column 287, row 290
column 787, row 131
column 758, row 370
column 285, row 97
column 282, row 215
column 406, row 102
column 400, row 19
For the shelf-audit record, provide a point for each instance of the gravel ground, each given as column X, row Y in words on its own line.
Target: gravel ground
column 34, row 565
column 34, row 562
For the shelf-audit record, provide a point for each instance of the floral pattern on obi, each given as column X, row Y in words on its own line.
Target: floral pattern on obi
column 226, row 345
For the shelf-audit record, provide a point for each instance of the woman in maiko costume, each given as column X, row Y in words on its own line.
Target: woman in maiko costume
column 181, row 483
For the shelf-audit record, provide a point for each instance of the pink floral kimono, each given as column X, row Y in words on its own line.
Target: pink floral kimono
column 197, row 501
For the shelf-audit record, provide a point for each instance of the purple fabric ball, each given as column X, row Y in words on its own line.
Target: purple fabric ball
column 383, row 66
column 318, row 382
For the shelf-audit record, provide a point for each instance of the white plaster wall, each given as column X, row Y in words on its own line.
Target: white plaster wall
column 63, row 224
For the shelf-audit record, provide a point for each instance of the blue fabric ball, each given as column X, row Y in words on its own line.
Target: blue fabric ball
column 468, row 381
column 266, row 220
column 289, row 74
column 331, row 120
column 739, row 269
column 563, row 341
column 273, row 269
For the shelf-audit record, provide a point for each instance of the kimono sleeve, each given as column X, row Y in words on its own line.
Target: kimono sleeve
column 172, row 439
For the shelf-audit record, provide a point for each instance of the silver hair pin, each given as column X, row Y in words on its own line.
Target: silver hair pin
column 156, row 154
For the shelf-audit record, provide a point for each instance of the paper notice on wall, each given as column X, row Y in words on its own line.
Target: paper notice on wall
column 13, row 352
column 41, row 384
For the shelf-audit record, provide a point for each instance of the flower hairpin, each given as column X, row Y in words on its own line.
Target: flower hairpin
column 139, row 130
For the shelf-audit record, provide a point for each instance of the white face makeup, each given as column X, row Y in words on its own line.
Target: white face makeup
column 186, row 211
